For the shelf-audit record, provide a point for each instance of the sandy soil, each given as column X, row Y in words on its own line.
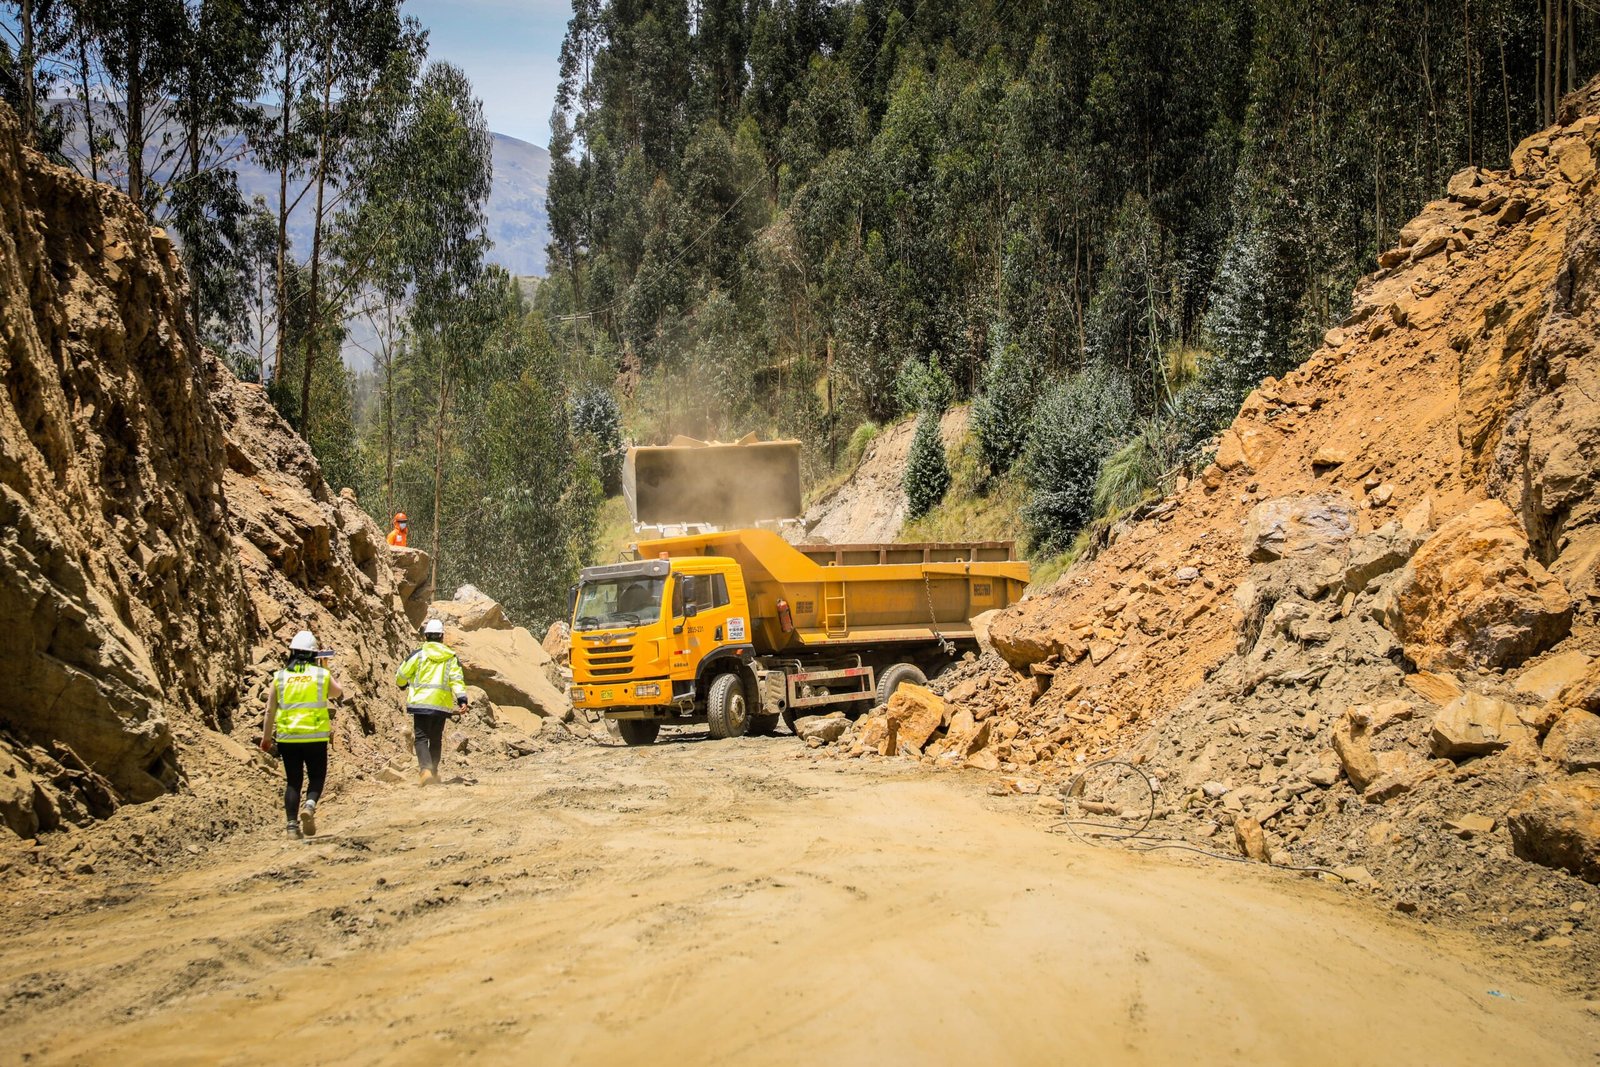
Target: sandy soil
column 869, row 507
column 740, row 902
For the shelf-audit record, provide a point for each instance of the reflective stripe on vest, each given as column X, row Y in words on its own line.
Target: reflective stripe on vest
column 431, row 688
column 302, row 705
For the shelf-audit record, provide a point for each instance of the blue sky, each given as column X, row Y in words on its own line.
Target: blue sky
column 511, row 51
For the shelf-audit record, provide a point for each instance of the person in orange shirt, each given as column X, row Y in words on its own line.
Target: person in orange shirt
column 397, row 536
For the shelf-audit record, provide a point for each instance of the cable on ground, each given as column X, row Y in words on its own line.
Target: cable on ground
column 1136, row 839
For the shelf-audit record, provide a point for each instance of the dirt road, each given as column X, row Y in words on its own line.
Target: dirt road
column 738, row 902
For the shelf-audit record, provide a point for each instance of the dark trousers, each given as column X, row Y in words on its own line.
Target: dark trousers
column 429, row 729
column 302, row 758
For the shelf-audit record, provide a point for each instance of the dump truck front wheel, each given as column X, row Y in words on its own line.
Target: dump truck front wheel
column 895, row 677
column 727, row 711
column 638, row 731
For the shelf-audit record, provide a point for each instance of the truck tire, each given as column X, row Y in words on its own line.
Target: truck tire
column 637, row 732
column 763, row 725
column 727, row 711
column 896, row 676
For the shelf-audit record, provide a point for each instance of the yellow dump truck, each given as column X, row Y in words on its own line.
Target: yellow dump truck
column 737, row 629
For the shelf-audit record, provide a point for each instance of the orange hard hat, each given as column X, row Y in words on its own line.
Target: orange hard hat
column 399, row 516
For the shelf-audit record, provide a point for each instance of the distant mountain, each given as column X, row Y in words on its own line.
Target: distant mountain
column 516, row 216
column 517, row 222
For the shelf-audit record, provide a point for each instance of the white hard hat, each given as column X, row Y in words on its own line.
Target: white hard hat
column 303, row 642
column 433, row 628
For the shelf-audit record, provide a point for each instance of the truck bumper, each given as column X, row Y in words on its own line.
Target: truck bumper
column 649, row 696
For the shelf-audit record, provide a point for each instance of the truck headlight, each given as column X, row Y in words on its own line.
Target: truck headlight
column 647, row 690
column 575, row 694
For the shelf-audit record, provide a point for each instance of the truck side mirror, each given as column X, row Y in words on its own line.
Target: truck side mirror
column 691, row 610
column 572, row 601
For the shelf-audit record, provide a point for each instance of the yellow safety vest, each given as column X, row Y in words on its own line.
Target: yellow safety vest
column 302, row 704
column 432, row 677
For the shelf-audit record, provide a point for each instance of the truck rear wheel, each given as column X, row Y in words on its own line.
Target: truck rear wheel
column 638, row 731
column 896, row 676
column 727, row 712
column 763, row 725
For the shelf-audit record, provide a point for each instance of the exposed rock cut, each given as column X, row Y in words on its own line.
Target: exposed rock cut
column 1474, row 596
column 123, row 596
column 162, row 532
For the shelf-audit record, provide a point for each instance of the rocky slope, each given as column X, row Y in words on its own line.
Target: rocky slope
column 870, row 505
column 162, row 531
column 1365, row 636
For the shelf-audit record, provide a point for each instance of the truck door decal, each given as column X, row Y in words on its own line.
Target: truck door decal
column 736, row 629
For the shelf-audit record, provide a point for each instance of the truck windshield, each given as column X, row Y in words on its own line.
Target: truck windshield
column 621, row 602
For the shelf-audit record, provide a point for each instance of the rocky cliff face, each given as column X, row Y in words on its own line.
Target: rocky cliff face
column 119, row 585
column 162, row 532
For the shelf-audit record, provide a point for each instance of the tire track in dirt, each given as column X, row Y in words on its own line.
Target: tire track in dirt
column 734, row 902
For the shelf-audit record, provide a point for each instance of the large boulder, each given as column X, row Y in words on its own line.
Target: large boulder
column 1299, row 526
column 1553, row 675
column 1473, row 725
column 557, row 642
column 1474, row 596
column 915, row 714
column 1384, row 550
column 412, row 569
column 822, row 729
column 1023, row 636
column 1354, row 747
column 980, row 630
column 470, row 610
column 1557, row 823
column 509, row 665
column 1574, row 742
column 1247, row 445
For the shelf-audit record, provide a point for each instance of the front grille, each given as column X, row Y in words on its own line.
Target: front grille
column 605, row 661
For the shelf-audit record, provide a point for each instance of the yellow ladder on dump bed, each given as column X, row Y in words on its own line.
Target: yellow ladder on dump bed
column 834, row 609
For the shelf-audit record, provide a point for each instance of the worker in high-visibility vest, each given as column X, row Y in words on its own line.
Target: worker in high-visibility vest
column 435, row 689
column 298, row 724
column 397, row 536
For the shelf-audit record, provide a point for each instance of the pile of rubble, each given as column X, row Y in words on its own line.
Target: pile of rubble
column 1365, row 637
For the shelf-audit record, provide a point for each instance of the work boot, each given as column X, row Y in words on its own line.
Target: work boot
column 308, row 818
column 433, row 777
column 294, row 832
column 424, row 777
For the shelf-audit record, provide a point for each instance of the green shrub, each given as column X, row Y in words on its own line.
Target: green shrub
column 860, row 438
column 922, row 385
column 1001, row 412
column 1075, row 426
column 593, row 416
column 927, row 476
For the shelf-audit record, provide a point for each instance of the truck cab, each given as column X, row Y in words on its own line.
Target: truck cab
column 649, row 637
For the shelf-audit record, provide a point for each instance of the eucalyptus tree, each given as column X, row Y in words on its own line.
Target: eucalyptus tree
column 365, row 55
column 436, row 240
column 213, row 84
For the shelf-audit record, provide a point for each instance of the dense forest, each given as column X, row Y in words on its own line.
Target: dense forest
column 466, row 421
column 1101, row 222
